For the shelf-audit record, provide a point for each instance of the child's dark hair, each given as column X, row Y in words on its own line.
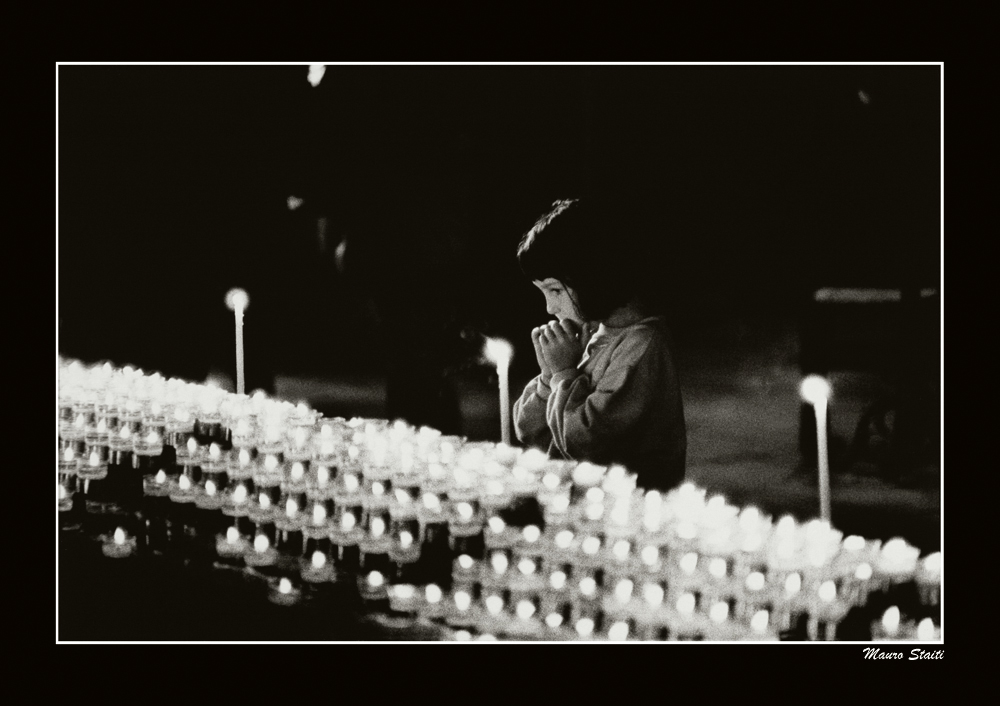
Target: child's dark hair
column 577, row 242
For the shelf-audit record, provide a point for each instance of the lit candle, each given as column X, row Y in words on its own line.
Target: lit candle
column 816, row 391
column 120, row 546
column 500, row 352
column 237, row 300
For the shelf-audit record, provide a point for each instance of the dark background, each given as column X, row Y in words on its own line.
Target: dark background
column 751, row 185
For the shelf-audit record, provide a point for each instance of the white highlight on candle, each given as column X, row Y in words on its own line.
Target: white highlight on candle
column 584, row 627
column 378, row 489
column 119, row 535
column 755, row 581
column 462, row 600
column 553, row 620
column 348, row 521
column 890, row 621
column 494, row 604
column 827, row 591
column 261, row 543
column 689, row 562
column 531, row 533
column 793, row 584
column 499, row 562
column 863, row 572
column 377, row 527
column 525, row 609
column 686, row 603
column 621, row 549
column 209, row 488
column 618, row 632
column 717, row 568
column 759, row 621
column 526, row 566
column 433, row 593
column 405, row 539
column 375, row 579
column 496, row 525
column 588, row 586
column 557, row 580
column 285, row 586
column 297, row 471
column 291, row 507
column 232, row 535
column 466, row 561
column 719, row 612
column 350, row 482
column 925, row 630
column 184, row 483
column 319, row 514
column 653, row 593
column 650, row 555
column 591, row 545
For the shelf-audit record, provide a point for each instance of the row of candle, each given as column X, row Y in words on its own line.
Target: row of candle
column 384, row 486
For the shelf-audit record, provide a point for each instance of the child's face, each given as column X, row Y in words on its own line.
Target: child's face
column 559, row 300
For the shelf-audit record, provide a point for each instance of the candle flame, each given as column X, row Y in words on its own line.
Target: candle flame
column 264, row 500
column 719, row 612
column 591, row 545
column 432, row 593
column 319, row 514
column 653, row 593
column 466, row 561
column 890, row 620
column 564, row 539
column 560, row 503
column 595, row 495
column 526, row 566
column 209, row 488
column 318, row 560
column 297, row 471
column 322, row 476
column 623, row 590
column 244, row 457
column 827, row 591
column 261, row 543
column 686, row 603
column 462, row 600
column 759, row 621
column 618, row 632
column 237, row 300
column 531, row 533
column 63, row 493
column 240, row 494
column 550, row 481
column 557, row 580
column 285, row 586
column 755, row 581
column 125, row 432
column 119, row 536
column 69, row 454
column 584, row 627
column 350, row 482
column 378, row 489
column 854, row 543
column 793, row 584
column 377, row 527
column 650, row 555
column 291, row 508
column 494, row 604
column 621, row 549
column 348, row 521
column 405, row 539
column 689, row 562
column 925, row 630
column 102, row 426
column 192, row 445
column 498, row 351
column 161, row 477
column 499, row 562
column 300, row 436
column 525, row 609
column 863, row 572
column 588, row 586
column 497, row 525
column 232, row 534
column 717, row 567
column 553, row 620
column 815, row 389
column 184, row 482
column 465, row 511
column 270, row 462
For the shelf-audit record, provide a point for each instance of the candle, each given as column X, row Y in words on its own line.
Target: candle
column 120, row 546
column 816, row 391
column 237, row 300
column 500, row 352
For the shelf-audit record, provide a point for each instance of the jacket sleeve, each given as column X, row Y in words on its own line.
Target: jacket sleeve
column 529, row 415
column 586, row 419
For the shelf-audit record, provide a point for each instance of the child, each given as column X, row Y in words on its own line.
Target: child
column 605, row 396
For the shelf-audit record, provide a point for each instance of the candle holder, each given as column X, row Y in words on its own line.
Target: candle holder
column 262, row 555
column 318, row 564
column 231, row 546
column 283, row 591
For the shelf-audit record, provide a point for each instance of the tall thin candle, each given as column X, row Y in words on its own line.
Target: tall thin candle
column 237, row 300
column 816, row 391
column 500, row 352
